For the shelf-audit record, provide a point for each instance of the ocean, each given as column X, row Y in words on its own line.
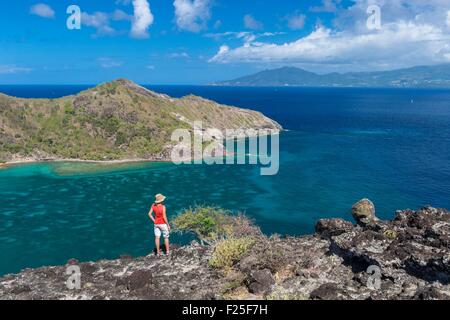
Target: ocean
column 342, row 144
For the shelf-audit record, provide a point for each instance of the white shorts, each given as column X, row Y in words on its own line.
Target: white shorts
column 161, row 228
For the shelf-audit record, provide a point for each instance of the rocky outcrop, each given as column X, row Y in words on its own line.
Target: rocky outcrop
column 406, row 258
column 364, row 212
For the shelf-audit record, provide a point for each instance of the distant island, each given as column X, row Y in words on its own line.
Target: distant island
column 437, row 76
column 115, row 121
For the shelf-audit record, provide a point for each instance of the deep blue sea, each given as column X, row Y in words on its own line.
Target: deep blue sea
column 392, row 146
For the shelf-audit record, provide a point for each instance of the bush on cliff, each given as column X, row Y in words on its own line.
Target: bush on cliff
column 229, row 251
column 212, row 224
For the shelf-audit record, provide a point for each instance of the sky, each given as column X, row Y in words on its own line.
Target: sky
column 202, row 41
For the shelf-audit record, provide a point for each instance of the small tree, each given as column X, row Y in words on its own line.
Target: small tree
column 211, row 224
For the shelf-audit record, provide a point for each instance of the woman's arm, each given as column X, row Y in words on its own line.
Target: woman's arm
column 165, row 217
column 150, row 214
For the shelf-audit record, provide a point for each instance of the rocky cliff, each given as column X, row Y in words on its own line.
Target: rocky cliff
column 406, row 258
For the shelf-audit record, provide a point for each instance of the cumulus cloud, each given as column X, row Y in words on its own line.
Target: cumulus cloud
column 42, row 10
column 192, row 15
column 100, row 21
column 397, row 45
column 120, row 15
column 251, row 23
column 143, row 19
column 419, row 35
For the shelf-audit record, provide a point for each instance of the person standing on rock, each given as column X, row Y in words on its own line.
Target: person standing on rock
column 161, row 223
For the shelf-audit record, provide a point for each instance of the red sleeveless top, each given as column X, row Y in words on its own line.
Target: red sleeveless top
column 158, row 209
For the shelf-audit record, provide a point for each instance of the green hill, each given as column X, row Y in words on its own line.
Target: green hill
column 114, row 121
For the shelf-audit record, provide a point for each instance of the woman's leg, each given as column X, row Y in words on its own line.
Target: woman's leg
column 166, row 242
column 157, row 243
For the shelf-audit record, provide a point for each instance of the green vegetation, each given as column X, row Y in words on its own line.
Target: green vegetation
column 390, row 234
column 211, row 224
column 207, row 223
column 229, row 251
column 230, row 235
column 117, row 120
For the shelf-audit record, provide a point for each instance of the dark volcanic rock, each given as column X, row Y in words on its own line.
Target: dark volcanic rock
column 332, row 227
column 261, row 281
column 183, row 275
column 406, row 258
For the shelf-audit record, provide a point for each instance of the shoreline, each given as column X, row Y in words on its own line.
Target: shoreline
column 105, row 162
column 20, row 161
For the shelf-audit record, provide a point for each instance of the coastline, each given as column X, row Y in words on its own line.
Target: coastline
column 105, row 162
column 31, row 160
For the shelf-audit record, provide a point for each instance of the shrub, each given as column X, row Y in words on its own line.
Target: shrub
column 229, row 251
column 211, row 224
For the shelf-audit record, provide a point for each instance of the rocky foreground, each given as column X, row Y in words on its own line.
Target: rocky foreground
column 406, row 258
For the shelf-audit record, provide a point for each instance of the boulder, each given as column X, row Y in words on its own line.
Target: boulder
column 261, row 281
column 364, row 212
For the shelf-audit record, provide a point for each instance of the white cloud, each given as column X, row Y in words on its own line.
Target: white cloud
column 296, row 21
column 246, row 36
column 143, row 19
column 179, row 55
column 413, row 33
column 42, row 10
column 109, row 63
column 192, row 15
column 99, row 21
column 448, row 19
column 119, row 15
column 251, row 23
column 13, row 69
column 140, row 21
column 397, row 45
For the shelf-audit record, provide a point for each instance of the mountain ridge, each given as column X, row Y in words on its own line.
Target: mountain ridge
column 437, row 76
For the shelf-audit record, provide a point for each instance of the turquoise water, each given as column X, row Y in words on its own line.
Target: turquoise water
column 392, row 146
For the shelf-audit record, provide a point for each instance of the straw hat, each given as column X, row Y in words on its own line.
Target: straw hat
column 159, row 198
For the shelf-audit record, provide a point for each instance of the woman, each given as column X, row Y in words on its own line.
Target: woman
column 161, row 223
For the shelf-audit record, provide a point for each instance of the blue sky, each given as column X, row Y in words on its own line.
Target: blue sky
column 200, row 41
